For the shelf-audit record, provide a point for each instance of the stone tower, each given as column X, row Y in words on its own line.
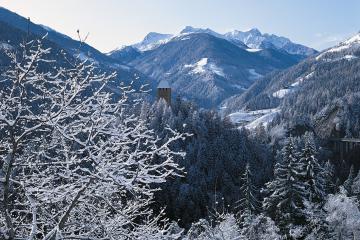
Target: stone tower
column 164, row 91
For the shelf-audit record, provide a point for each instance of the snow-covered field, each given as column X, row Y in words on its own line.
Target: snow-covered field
column 252, row 119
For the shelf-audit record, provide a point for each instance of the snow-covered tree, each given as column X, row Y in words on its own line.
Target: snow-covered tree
column 343, row 216
column 355, row 188
column 287, row 192
column 260, row 227
column 316, row 224
column 224, row 228
column 314, row 173
column 75, row 164
column 248, row 204
column 329, row 177
column 350, row 180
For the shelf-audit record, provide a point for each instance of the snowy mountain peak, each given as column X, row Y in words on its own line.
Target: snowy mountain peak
column 257, row 40
column 355, row 39
column 252, row 38
column 152, row 40
column 154, row 36
column 344, row 50
column 254, row 31
column 189, row 29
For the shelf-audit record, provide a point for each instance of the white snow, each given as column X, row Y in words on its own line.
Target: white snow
column 253, row 49
column 240, row 87
column 301, row 79
column 254, row 75
column 242, row 116
column 5, row 46
column 282, row 92
column 353, row 42
column 339, row 48
column 264, row 120
column 354, row 39
column 199, row 66
column 152, row 46
column 185, row 38
column 252, row 119
column 204, row 66
column 84, row 57
column 296, row 83
column 349, row 57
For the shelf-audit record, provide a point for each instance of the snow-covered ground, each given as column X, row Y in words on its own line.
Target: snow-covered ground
column 254, row 75
column 253, row 49
column 204, row 66
column 281, row 93
column 264, row 120
column 5, row 46
column 252, row 119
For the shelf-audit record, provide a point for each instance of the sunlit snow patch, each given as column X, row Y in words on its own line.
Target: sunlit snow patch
column 293, row 87
column 204, row 66
column 264, row 120
column 252, row 119
column 253, row 49
column 282, row 92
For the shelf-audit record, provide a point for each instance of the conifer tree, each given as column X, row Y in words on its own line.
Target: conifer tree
column 329, row 176
column 287, row 192
column 249, row 203
column 350, row 180
column 355, row 188
column 313, row 171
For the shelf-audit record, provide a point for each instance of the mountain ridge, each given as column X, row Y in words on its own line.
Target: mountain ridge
column 252, row 38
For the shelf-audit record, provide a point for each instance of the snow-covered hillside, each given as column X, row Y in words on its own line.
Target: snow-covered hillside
column 253, row 119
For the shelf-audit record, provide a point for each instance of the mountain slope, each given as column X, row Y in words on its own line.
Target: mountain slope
column 65, row 42
column 322, row 92
column 208, row 69
column 15, row 29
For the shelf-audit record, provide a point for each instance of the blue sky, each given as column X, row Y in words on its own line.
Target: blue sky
column 112, row 23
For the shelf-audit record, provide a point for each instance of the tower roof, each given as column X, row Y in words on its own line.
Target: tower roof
column 164, row 84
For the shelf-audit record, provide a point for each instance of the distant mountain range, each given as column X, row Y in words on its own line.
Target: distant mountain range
column 252, row 38
column 208, row 67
